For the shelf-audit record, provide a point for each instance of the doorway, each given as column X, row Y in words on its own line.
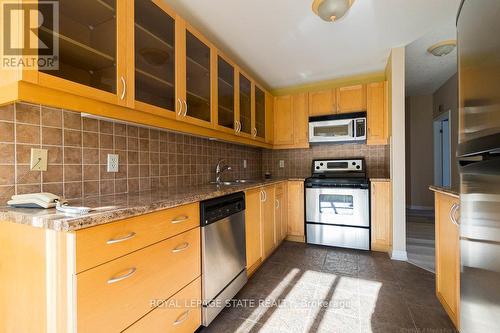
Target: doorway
column 442, row 150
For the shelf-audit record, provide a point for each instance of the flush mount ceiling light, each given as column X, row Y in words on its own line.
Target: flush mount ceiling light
column 331, row 10
column 442, row 48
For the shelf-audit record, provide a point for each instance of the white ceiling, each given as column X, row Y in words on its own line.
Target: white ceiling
column 283, row 43
column 425, row 73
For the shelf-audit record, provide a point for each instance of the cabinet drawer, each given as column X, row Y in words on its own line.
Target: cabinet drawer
column 114, row 295
column 181, row 313
column 100, row 244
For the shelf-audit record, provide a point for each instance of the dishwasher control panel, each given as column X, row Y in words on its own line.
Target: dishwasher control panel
column 214, row 210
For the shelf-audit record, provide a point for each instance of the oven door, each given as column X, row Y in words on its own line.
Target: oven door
column 331, row 130
column 339, row 206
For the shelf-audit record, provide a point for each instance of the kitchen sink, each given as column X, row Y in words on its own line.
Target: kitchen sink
column 236, row 182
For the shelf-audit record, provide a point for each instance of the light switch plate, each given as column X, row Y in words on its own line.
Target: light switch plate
column 113, row 163
column 282, row 163
column 38, row 161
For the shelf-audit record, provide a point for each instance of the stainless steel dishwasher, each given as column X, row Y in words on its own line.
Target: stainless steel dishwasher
column 223, row 252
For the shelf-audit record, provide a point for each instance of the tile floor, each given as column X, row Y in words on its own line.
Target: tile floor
column 420, row 243
column 304, row 288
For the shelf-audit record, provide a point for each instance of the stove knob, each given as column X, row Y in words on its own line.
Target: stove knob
column 317, row 168
column 321, row 164
column 353, row 163
column 358, row 167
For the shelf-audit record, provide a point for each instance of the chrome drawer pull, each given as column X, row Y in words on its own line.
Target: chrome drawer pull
column 180, row 219
column 123, row 277
column 182, row 318
column 119, row 240
column 181, row 247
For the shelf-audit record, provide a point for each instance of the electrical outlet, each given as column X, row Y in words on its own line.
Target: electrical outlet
column 38, row 161
column 113, row 163
column 244, row 164
column 282, row 163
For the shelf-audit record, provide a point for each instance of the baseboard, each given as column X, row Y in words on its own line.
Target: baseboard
column 299, row 239
column 399, row 255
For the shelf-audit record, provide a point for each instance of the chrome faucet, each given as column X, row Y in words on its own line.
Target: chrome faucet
column 219, row 169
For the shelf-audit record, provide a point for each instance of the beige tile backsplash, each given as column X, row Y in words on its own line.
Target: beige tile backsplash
column 78, row 147
column 298, row 162
column 149, row 158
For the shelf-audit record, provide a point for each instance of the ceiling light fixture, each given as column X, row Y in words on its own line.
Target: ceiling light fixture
column 442, row 48
column 331, row 10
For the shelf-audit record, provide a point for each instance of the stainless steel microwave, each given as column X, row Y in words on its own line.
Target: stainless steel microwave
column 338, row 128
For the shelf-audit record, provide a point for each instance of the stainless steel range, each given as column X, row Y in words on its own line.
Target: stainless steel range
column 338, row 204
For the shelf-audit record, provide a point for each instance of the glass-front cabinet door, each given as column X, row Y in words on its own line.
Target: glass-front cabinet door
column 225, row 96
column 90, row 63
column 245, row 106
column 154, row 58
column 196, row 97
column 259, row 130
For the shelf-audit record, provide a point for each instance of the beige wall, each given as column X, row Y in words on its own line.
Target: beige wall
column 447, row 98
column 419, row 152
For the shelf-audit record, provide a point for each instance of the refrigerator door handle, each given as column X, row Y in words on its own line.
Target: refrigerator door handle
column 453, row 214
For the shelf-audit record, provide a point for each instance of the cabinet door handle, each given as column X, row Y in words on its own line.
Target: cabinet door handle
column 182, row 318
column 239, row 126
column 453, row 211
column 262, row 195
column 186, row 108
column 180, row 219
column 180, row 247
column 124, row 86
column 122, row 239
column 254, row 132
column 129, row 273
column 180, row 106
column 277, row 204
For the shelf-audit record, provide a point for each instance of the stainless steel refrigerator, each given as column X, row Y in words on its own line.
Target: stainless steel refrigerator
column 478, row 26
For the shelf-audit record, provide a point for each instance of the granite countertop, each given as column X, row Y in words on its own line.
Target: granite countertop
column 446, row 190
column 116, row 207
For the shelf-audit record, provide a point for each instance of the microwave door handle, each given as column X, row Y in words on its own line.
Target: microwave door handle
column 353, row 129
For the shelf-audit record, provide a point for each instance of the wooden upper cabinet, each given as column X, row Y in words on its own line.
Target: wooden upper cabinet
column 92, row 57
column 351, row 98
column 245, row 105
column 300, row 119
column 197, row 77
column 283, row 120
column 377, row 113
column 322, row 102
column 154, row 58
column 226, row 92
column 269, row 118
column 259, row 130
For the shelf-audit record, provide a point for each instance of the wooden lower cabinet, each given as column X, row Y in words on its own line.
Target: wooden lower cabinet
column 265, row 222
column 448, row 255
column 253, row 228
column 112, row 296
column 268, row 221
column 107, row 298
column 179, row 314
column 295, row 205
column 381, row 221
column 280, row 214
